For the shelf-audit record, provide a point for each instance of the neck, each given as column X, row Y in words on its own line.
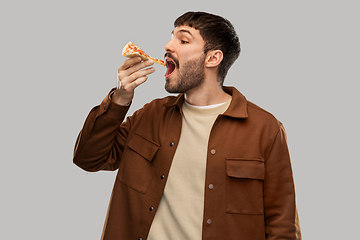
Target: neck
column 207, row 94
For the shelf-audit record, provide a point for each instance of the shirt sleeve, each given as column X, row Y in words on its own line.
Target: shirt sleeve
column 281, row 218
column 100, row 142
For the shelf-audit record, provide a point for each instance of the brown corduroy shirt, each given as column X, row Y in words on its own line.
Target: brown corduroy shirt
column 248, row 166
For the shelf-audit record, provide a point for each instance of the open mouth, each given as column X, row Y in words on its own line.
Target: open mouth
column 170, row 65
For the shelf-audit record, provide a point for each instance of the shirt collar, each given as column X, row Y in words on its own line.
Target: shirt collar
column 237, row 108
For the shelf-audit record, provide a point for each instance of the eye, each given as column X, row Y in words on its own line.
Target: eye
column 183, row 42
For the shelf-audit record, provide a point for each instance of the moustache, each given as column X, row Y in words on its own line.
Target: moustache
column 169, row 55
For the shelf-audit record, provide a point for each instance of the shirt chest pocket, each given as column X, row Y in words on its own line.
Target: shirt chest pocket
column 136, row 168
column 244, row 186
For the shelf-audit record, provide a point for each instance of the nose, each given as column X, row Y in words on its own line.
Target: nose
column 169, row 46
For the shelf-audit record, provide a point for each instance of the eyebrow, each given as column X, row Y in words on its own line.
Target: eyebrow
column 183, row 30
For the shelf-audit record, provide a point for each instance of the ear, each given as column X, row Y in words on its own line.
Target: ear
column 214, row 58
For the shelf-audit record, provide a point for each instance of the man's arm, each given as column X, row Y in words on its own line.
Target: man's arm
column 101, row 141
column 281, row 219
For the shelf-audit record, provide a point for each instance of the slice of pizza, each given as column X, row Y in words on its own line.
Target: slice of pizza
column 131, row 50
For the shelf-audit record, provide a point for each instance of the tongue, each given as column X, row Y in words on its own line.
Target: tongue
column 170, row 69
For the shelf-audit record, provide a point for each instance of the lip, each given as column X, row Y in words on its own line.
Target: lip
column 171, row 66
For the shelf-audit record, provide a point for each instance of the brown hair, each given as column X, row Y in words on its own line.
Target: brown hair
column 218, row 34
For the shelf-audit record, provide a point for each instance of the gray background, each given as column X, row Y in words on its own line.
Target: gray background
column 299, row 60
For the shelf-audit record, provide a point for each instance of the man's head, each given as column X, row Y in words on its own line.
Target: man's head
column 185, row 60
column 218, row 34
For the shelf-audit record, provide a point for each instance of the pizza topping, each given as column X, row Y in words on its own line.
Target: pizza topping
column 161, row 62
column 131, row 50
column 141, row 52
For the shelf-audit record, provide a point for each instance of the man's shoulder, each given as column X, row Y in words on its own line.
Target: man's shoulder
column 261, row 115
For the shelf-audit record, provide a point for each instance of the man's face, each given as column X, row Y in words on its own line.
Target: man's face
column 185, row 60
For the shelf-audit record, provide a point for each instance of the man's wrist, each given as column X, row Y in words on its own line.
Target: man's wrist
column 120, row 101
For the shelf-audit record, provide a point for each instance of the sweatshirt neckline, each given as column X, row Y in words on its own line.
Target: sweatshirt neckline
column 207, row 110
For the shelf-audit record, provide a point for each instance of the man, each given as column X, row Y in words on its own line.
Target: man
column 207, row 164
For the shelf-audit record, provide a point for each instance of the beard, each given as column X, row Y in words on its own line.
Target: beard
column 191, row 75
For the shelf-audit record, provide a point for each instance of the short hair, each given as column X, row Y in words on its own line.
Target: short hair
column 218, row 34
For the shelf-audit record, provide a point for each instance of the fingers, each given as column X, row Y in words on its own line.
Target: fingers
column 133, row 71
column 139, row 81
column 131, row 75
column 128, row 63
column 134, row 64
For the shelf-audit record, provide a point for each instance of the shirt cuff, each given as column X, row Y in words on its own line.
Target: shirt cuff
column 110, row 97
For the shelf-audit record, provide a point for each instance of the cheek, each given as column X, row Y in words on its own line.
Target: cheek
column 189, row 55
column 183, row 60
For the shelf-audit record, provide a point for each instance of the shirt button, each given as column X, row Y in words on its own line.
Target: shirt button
column 172, row 144
column 212, row 151
column 140, row 238
column 151, row 208
column 162, row 176
column 104, row 106
column 209, row 221
column 211, row 186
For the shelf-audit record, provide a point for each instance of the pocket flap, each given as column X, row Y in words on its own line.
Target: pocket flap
column 145, row 148
column 245, row 168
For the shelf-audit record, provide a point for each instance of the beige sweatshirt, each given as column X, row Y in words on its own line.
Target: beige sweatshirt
column 180, row 212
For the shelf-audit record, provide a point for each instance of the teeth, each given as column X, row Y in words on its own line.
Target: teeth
column 169, row 60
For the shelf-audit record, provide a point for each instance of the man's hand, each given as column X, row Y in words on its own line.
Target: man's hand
column 131, row 74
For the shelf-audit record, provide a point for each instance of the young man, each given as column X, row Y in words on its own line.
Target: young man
column 207, row 164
